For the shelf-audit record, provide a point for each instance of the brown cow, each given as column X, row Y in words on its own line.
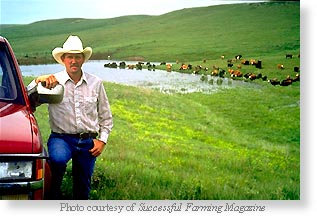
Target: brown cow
column 280, row 66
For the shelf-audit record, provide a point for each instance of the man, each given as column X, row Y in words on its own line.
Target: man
column 80, row 124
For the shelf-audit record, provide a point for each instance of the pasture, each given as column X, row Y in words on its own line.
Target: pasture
column 192, row 34
column 238, row 143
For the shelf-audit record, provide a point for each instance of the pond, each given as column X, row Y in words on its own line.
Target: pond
column 163, row 81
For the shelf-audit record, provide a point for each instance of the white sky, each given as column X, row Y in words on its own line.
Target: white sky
column 28, row 11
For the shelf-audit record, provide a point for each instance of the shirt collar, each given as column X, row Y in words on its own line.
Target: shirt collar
column 65, row 77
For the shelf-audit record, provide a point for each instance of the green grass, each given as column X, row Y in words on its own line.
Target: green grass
column 197, row 146
column 235, row 144
column 186, row 35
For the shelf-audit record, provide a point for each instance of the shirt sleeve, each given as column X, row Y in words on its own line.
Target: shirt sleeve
column 104, row 114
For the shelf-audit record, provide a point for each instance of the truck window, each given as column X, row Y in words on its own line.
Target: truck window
column 9, row 85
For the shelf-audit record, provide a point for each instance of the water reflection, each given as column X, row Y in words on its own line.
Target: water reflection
column 163, row 81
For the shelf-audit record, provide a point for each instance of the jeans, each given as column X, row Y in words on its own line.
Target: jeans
column 61, row 149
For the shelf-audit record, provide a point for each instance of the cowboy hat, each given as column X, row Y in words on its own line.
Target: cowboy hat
column 72, row 45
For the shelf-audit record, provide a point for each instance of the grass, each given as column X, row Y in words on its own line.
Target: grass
column 240, row 143
column 186, row 35
column 197, row 146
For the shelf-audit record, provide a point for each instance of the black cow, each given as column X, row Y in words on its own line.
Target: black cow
column 122, row 65
column 238, row 57
column 111, row 65
column 286, row 82
column 296, row 69
column 274, row 81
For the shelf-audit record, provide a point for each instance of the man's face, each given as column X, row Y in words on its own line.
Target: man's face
column 73, row 62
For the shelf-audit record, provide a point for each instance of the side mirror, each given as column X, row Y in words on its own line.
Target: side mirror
column 38, row 94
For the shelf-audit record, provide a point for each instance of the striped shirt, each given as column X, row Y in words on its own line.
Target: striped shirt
column 84, row 108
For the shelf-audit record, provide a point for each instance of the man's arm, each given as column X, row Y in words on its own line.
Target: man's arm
column 104, row 115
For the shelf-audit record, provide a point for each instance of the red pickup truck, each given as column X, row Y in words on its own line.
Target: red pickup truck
column 24, row 168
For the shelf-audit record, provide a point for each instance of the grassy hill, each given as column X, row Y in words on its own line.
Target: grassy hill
column 250, row 29
column 235, row 144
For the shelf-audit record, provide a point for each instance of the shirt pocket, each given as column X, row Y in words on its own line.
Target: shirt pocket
column 66, row 105
column 90, row 106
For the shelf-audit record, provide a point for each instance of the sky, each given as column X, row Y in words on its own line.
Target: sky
column 28, row 11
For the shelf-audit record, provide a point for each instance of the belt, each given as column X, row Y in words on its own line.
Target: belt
column 80, row 135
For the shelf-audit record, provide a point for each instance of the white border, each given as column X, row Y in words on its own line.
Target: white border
column 306, row 206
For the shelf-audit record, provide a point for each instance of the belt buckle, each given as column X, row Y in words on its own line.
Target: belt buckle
column 83, row 135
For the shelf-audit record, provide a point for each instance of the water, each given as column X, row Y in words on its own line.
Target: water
column 163, row 81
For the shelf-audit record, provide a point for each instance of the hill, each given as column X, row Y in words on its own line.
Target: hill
column 193, row 34
column 241, row 143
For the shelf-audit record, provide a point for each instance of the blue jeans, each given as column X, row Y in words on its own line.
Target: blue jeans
column 61, row 149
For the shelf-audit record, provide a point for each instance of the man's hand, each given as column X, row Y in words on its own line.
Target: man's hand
column 98, row 148
column 49, row 80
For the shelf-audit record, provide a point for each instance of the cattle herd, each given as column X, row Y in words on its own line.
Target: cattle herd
column 237, row 62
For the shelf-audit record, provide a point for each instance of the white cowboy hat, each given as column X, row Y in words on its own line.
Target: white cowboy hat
column 72, row 45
